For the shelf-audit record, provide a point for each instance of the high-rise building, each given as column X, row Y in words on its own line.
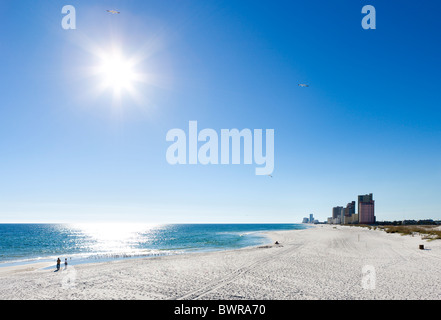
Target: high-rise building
column 311, row 218
column 366, row 209
column 350, row 209
column 337, row 215
column 336, row 212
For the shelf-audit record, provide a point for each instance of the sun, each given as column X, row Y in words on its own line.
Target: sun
column 120, row 77
column 117, row 73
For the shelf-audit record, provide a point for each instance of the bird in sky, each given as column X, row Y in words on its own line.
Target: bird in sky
column 270, row 176
column 113, row 11
column 303, row 85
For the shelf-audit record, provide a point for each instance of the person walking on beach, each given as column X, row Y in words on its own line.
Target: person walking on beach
column 65, row 263
column 58, row 263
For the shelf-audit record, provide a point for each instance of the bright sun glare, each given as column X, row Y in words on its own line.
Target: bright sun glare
column 122, row 75
column 117, row 73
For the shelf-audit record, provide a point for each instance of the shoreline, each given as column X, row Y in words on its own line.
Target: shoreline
column 43, row 263
column 323, row 262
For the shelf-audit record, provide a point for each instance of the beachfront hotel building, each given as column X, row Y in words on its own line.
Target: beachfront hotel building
column 366, row 209
column 310, row 220
column 347, row 215
column 350, row 209
column 337, row 215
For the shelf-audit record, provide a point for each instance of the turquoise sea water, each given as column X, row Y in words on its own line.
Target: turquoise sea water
column 82, row 243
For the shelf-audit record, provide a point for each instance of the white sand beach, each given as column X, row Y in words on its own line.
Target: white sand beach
column 322, row 262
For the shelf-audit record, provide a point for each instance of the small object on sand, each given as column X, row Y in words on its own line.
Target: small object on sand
column 277, row 242
column 421, row 246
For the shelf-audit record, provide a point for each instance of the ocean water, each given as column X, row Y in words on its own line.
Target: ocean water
column 82, row 243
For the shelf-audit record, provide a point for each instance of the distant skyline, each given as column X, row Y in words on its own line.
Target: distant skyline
column 84, row 113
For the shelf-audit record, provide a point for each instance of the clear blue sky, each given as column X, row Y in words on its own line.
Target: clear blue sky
column 370, row 122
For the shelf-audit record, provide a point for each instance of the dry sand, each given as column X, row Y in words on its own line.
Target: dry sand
column 323, row 262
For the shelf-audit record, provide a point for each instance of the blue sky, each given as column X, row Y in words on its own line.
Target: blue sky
column 368, row 123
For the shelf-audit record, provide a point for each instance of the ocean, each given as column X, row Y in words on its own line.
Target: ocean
column 83, row 243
